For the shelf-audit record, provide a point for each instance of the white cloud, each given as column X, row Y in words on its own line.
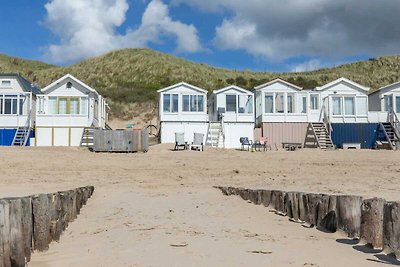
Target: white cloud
column 88, row 28
column 310, row 65
column 280, row 30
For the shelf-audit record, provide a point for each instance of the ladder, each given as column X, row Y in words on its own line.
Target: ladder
column 391, row 135
column 318, row 136
column 21, row 136
column 216, row 135
column 88, row 137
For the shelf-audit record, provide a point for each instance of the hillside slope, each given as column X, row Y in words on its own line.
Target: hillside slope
column 133, row 75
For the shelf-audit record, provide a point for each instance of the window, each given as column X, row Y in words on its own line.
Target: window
column 303, row 104
column 337, row 105
column 63, row 105
column 6, row 83
column 186, row 103
column 170, row 103
column 362, row 105
column 230, row 103
column 279, row 105
column 349, row 108
column 269, row 104
column 69, row 85
column 290, row 103
column 314, row 99
column 387, row 102
column 193, row 103
column 53, row 107
column 83, row 106
column 398, row 104
column 22, row 100
column 74, row 105
column 245, row 104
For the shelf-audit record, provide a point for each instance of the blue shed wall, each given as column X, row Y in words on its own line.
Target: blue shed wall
column 7, row 136
column 364, row 133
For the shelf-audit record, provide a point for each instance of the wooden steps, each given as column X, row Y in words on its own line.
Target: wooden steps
column 21, row 136
column 215, row 135
column 318, row 136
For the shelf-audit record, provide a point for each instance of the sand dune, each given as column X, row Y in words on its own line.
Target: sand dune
column 159, row 208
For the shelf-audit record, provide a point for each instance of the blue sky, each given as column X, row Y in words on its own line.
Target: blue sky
column 261, row 35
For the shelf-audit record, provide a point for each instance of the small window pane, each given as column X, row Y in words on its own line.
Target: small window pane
column 62, row 105
column 279, row 103
column 193, row 103
column 398, row 104
column 200, row 103
column 314, row 99
column 21, row 105
column 53, row 105
column 6, row 83
column 337, row 105
column 186, row 103
column 290, row 103
column 362, row 105
column 231, row 103
column 304, row 104
column 74, row 106
column 175, row 103
column 14, row 106
column 84, row 106
column 349, row 106
column 269, row 104
column 7, row 106
column 167, row 103
column 388, row 100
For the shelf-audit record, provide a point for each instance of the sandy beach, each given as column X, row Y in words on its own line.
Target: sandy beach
column 159, row 208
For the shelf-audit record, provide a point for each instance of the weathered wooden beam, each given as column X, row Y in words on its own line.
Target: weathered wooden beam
column 27, row 226
column 327, row 217
column 17, row 250
column 5, row 234
column 371, row 229
column 41, row 222
column 314, row 200
column 244, row 194
column 265, row 197
column 349, row 215
column 391, row 228
column 255, row 196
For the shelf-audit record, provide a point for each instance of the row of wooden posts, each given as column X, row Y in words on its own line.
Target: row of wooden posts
column 30, row 223
column 373, row 221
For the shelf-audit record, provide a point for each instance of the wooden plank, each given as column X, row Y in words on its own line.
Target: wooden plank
column 244, row 194
column 27, row 226
column 314, row 200
column 55, row 217
column 255, row 196
column 391, row 228
column 266, row 197
column 4, row 234
column 17, row 252
column 327, row 218
column 371, row 229
column 349, row 215
column 41, row 222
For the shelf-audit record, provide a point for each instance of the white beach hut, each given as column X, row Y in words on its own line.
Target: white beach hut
column 345, row 101
column 231, row 114
column 66, row 111
column 17, row 109
column 182, row 109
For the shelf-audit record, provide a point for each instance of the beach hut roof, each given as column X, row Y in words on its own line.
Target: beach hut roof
column 185, row 85
column 49, row 87
column 26, row 85
column 342, row 80
column 278, row 81
column 234, row 87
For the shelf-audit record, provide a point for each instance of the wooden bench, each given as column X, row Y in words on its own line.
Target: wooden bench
column 291, row 146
